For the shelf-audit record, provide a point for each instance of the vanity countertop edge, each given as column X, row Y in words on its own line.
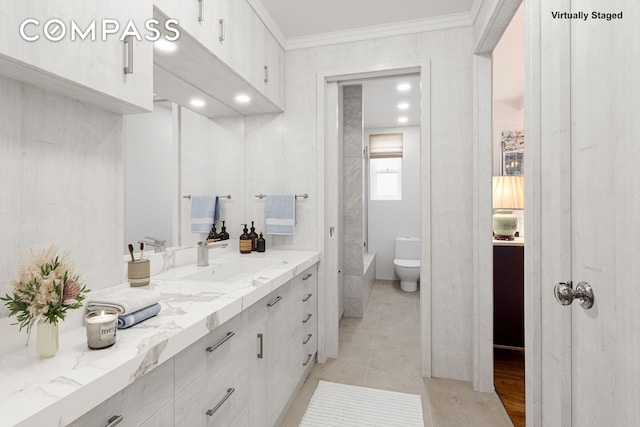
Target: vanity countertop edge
column 58, row 390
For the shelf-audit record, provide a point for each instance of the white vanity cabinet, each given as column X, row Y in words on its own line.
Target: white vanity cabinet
column 309, row 281
column 212, row 377
column 233, row 32
column 89, row 70
column 270, row 368
column 146, row 401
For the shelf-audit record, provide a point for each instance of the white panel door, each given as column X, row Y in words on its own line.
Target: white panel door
column 596, row 362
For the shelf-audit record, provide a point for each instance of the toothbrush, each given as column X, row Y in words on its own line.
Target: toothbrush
column 141, row 251
column 133, row 259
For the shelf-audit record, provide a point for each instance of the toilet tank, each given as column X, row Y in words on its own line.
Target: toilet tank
column 407, row 248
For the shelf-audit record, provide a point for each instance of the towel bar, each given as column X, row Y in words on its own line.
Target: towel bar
column 228, row 196
column 298, row 196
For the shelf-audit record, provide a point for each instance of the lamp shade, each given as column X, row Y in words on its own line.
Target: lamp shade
column 508, row 192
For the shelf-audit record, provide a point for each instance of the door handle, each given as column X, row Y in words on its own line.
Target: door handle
column 565, row 294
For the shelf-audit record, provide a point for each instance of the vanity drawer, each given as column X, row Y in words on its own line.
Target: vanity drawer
column 136, row 403
column 309, row 279
column 219, row 396
column 207, row 352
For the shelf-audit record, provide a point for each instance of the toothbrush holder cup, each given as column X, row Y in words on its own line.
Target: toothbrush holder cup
column 138, row 272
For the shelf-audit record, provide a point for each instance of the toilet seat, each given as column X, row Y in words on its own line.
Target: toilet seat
column 407, row 263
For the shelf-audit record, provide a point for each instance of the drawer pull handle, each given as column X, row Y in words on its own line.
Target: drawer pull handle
column 307, row 276
column 308, row 338
column 266, row 74
column 308, row 317
column 222, row 341
column 274, row 302
column 306, row 362
column 128, row 55
column 230, row 391
column 114, row 421
column 221, row 36
column 201, row 13
column 261, row 354
column 305, row 299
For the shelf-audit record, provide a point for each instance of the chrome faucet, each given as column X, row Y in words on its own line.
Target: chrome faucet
column 203, row 252
column 159, row 245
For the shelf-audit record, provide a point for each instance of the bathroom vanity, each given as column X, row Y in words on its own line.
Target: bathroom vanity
column 225, row 351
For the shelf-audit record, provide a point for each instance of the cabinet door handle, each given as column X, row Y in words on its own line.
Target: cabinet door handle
column 305, row 299
column 307, row 276
column 261, row 353
column 307, row 340
column 274, row 302
column 201, row 15
column 212, row 411
column 128, row 55
column 266, row 74
column 222, row 341
column 221, row 36
column 306, row 362
column 308, row 317
column 115, row 420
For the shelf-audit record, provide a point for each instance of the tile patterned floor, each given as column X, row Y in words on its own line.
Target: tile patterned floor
column 381, row 351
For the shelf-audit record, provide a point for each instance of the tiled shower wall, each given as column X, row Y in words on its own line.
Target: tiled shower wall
column 353, row 192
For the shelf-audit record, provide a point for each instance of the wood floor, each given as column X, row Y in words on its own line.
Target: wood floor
column 509, row 383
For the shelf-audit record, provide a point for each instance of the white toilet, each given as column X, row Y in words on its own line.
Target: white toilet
column 407, row 262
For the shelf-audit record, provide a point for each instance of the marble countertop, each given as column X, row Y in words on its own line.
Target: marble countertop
column 56, row 391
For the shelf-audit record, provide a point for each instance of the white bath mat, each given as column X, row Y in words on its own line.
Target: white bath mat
column 341, row 405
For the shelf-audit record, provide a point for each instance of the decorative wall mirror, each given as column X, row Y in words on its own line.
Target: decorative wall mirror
column 512, row 143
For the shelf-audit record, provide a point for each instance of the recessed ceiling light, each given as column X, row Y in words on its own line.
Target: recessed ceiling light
column 242, row 98
column 403, row 119
column 165, row 45
column 403, row 106
column 403, row 87
column 197, row 103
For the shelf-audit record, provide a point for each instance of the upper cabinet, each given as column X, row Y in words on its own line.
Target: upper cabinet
column 76, row 47
column 238, row 40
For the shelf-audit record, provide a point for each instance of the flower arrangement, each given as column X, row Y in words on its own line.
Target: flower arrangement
column 47, row 287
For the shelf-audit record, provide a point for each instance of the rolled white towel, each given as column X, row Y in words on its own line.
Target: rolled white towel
column 124, row 301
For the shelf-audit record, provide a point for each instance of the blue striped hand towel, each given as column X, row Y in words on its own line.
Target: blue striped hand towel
column 127, row 320
column 204, row 210
column 280, row 214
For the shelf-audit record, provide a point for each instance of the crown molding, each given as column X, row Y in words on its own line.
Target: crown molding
column 475, row 10
column 377, row 31
column 268, row 21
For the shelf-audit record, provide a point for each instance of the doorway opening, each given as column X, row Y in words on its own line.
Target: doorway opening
column 379, row 125
column 508, row 195
column 332, row 226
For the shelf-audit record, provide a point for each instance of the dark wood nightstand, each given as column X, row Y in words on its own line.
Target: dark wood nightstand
column 508, row 293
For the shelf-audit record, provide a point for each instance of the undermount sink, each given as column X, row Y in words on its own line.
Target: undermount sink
column 233, row 270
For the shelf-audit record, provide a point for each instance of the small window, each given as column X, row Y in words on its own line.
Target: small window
column 386, row 179
column 385, row 166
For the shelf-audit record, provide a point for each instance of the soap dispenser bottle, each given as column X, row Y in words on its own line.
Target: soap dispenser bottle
column 223, row 233
column 245, row 241
column 254, row 238
column 213, row 234
column 261, row 244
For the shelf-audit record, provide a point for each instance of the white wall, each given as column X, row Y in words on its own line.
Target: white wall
column 389, row 219
column 61, row 163
column 281, row 152
column 508, row 84
column 150, row 175
column 213, row 162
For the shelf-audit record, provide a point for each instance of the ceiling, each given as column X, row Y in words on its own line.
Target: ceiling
column 380, row 100
column 299, row 18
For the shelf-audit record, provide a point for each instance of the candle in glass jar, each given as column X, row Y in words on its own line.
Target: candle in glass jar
column 101, row 328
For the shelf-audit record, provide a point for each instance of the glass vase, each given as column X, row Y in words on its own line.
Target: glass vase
column 46, row 339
